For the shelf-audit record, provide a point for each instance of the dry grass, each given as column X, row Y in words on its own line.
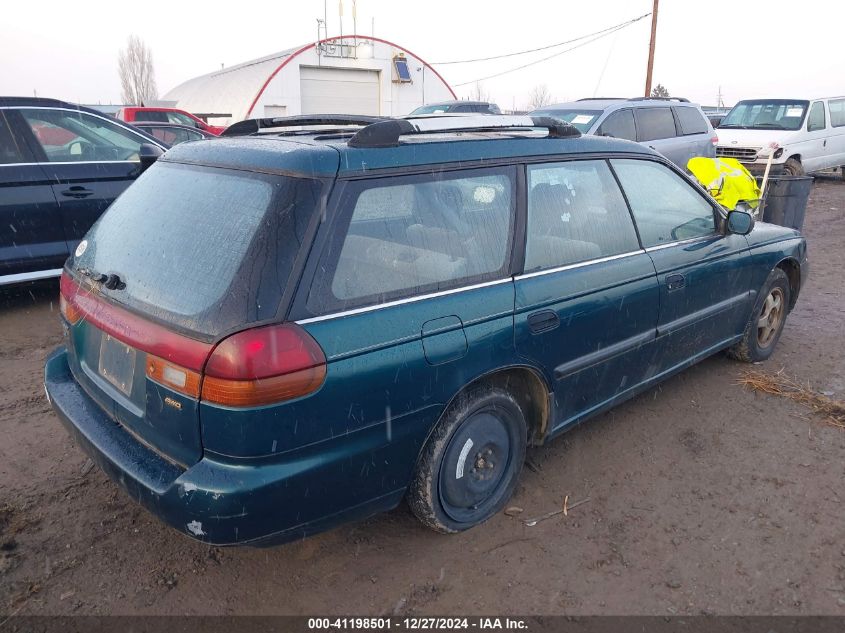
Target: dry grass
column 779, row 384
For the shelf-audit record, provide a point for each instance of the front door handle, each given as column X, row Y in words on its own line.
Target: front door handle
column 675, row 282
column 77, row 192
column 543, row 321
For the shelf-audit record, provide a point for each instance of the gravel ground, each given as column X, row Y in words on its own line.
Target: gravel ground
column 704, row 498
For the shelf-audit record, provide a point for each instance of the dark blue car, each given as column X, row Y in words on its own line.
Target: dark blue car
column 273, row 333
column 61, row 165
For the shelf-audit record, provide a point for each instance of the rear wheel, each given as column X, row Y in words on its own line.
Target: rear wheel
column 793, row 167
column 471, row 463
column 767, row 320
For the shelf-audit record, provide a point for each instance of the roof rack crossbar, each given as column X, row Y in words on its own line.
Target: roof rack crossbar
column 681, row 99
column 251, row 126
column 387, row 133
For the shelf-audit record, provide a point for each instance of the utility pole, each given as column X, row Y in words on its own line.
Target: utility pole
column 651, row 50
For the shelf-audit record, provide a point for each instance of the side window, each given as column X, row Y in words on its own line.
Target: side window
column 68, row 136
column 465, row 108
column 10, row 149
column 619, row 125
column 182, row 119
column 655, row 123
column 666, row 207
column 815, row 120
column 575, row 213
column 151, row 115
column 692, row 121
column 399, row 237
column 837, row 112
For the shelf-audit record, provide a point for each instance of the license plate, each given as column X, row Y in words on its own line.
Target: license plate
column 117, row 363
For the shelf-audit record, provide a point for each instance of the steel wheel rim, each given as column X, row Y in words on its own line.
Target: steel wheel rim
column 771, row 317
column 481, row 452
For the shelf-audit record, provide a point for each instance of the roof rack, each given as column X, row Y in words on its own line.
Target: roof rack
column 603, row 99
column 681, row 99
column 386, row 133
column 252, row 126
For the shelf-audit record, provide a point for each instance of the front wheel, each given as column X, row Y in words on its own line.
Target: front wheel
column 471, row 462
column 767, row 320
column 793, row 167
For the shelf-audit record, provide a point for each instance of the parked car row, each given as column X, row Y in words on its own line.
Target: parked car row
column 801, row 136
column 401, row 307
column 61, row 166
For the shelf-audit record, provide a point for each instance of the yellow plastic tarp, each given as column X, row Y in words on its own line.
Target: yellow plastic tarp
column 726, row 180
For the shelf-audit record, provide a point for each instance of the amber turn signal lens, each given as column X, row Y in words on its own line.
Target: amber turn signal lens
column 173, row 376
column 248, row 393
column 69, row 311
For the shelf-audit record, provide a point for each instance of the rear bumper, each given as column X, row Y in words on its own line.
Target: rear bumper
column 252, row 502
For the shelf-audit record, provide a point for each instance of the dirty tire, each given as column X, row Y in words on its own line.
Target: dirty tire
column 471, row 463
column 762, row 331
column 793, row 167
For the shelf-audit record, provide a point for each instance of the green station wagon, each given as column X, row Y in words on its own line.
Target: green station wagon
column 309, row 319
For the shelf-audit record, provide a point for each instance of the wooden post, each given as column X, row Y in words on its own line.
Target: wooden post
column 651, row 50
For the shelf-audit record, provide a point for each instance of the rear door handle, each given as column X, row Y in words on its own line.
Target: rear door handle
column 543, row 321
column 77, row 192
column 675, row 282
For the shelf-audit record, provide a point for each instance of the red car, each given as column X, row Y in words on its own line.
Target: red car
column 167, row 115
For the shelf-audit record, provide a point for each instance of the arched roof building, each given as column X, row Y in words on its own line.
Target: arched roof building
column 349, row 75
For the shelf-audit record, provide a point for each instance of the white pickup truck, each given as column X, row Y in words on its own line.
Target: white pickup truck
column 805, row 135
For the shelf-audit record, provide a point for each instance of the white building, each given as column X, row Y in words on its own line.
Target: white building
column 352, row 75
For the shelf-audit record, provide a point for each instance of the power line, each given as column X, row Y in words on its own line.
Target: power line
column 542, row 48
column 558, row 54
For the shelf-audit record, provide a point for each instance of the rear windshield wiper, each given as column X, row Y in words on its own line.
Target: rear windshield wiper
column 111, row 281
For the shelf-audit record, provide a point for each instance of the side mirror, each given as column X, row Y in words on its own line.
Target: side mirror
column 740, row 222
column 148, row 154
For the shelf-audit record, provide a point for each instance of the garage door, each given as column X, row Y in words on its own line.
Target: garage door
column 339, row 90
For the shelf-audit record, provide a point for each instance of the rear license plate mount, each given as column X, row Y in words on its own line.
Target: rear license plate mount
column 117, row 363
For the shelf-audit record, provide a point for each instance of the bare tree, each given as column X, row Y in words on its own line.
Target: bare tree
column 137, row 75
column 659, row 91
column 478, row 93
column 539, row 97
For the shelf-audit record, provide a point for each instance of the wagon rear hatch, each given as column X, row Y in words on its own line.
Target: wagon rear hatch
column 187, row 255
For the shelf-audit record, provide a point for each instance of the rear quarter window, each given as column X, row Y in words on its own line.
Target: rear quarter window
column 398, row 237
column 692, row 121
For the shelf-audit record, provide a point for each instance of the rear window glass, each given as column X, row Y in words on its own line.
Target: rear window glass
column 655, row 123
column 203, row 248
column 691, row 120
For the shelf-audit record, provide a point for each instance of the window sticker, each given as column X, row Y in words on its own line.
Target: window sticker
column 583, row 119
column 794, row 111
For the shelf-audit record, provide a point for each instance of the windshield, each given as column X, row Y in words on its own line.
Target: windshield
column 203, row 248
column 430, row 109
column 581, row 119
column 766, row 114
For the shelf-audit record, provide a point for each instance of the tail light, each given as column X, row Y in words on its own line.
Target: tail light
column 714, row 140
column 262, row 366
column 68, row 310
column 254, row 367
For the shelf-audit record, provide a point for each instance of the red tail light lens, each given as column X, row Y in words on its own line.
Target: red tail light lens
column 715, row 140
column 262, row 366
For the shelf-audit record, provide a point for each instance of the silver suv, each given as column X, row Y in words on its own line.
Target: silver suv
column 674, row 127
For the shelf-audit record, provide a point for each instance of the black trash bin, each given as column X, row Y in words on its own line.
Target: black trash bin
column 785, row 200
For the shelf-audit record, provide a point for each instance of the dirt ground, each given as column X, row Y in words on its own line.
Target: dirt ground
column 703, row 498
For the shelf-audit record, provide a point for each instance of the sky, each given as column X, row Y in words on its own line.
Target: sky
column 745, row 48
